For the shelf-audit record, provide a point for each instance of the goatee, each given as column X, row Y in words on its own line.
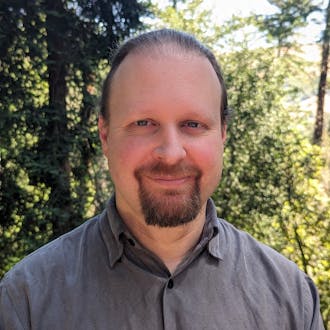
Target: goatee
column 169, row 207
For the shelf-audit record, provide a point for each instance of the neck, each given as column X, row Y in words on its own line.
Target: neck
column 171, row 245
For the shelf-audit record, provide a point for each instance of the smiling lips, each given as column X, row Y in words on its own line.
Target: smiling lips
column 170, row 181
column 168, row 177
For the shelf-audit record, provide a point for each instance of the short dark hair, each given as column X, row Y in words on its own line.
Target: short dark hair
column 145, row 42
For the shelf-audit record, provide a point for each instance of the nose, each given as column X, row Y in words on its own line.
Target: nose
column 169, row 146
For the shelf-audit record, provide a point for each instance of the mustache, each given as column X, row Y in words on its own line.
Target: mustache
column 175, row 170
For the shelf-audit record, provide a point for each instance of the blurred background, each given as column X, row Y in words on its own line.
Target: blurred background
column 54, row 55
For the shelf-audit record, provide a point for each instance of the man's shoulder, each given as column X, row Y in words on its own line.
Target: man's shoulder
column 263, row 267
column 52, row 275
column 262, row 272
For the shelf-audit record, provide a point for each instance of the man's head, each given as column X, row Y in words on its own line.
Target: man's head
column 163, row 126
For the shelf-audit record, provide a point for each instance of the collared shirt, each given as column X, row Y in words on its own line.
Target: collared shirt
column 99, row 277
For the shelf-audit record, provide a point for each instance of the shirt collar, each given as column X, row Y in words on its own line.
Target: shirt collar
column 117, row 228
column 210, row 234
column 214, row 225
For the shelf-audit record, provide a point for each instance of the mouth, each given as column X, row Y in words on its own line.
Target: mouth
column 170, row 181
column 177, row 178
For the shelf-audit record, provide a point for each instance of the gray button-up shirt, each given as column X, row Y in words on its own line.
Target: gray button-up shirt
column 99, row 277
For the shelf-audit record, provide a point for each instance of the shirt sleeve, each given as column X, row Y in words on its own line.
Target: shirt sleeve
column 9, row 317
column 313, row 318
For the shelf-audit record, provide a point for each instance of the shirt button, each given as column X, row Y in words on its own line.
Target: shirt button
column 170, row 284
column 130, row 241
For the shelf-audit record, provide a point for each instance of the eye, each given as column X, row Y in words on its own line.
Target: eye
column 193, row 124
column 194, row 127
column 143, row 122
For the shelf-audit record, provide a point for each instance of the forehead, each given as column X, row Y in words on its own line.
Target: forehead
column 168, row 51
column 164, row 74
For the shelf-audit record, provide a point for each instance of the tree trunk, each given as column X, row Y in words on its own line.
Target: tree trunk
column 319, row 122
column 56, row 142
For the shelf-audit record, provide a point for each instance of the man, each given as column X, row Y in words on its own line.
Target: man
column 158, row 257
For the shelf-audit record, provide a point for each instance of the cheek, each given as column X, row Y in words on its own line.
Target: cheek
column 125, row 155
column 209, row 159
column 209, row 155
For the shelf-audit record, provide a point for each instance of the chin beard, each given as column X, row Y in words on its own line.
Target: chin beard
column 169, row 208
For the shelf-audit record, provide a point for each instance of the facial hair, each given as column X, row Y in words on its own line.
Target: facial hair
column 169, row 207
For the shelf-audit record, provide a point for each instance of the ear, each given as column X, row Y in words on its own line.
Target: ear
column 224, row 133
column 103, row 134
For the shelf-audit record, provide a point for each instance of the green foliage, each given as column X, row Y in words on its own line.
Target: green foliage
column 291, row 14
column 53, row 57
column 190, row 18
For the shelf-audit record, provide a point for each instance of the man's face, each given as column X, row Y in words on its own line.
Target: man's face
column 164, row 141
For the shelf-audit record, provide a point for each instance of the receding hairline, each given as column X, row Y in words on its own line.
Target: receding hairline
column 166, row 47
column 164, row 51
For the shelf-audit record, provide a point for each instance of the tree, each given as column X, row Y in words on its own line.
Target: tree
column 319, row 122
column 190, row 18
column 282, row 26
column 291, row 15
column 52, row 57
